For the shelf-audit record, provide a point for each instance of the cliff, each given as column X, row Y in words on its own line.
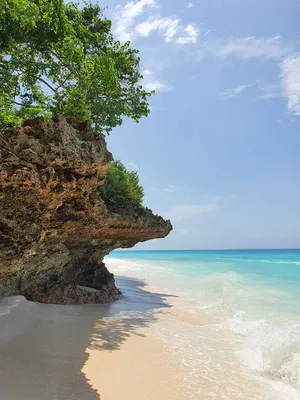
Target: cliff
column 54, row 227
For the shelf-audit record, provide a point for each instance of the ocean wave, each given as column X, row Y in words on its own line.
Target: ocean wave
column 252, row 326
column 119, row 266
column 7, row 304
column 271, row 349
column 256, row 260
column 287, row 262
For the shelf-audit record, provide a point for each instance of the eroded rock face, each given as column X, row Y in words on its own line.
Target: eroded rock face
column 54, row 227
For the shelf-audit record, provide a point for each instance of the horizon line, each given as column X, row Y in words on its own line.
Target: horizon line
column 244, row 249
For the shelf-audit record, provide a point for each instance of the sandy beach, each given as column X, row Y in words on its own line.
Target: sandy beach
column 141, row 369
column 151, row 344
column 91, row 352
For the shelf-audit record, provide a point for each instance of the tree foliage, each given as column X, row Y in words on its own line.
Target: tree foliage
column 59, row 59
column 121, row 188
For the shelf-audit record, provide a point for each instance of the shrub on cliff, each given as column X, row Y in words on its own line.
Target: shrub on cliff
column 58, row 58
column 121, row 188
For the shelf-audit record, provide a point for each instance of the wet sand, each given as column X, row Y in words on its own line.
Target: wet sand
column 86, row 352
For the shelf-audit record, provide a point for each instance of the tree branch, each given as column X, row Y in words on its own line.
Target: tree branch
column 67, row 65
column 24, row 105
column 47, row 84
column 68, row 77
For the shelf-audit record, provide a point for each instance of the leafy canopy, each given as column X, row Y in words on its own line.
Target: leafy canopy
column 121, row 188
column 60, row 59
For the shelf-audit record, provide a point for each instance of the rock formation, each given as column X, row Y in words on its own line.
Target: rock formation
column 54, row 227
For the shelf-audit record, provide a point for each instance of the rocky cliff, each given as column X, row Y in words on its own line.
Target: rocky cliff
column 54, row 227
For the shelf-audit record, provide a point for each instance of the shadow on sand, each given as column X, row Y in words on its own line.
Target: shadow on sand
column 136, row 309
column 43, row 347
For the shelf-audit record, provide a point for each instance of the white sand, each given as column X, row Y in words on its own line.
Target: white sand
column 143, row 367
column 94, row 352
column 140, row 369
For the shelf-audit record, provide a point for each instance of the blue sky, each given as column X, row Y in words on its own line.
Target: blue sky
column 219, row 153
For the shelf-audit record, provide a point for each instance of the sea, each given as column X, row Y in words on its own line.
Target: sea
column 237, row 335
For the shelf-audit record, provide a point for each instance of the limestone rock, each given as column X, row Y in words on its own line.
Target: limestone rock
column 54, row 227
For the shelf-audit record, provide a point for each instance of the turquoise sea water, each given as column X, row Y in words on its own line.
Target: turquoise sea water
column 249, row 347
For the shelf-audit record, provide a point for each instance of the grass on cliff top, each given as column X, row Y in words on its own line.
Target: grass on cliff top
column 121, row 189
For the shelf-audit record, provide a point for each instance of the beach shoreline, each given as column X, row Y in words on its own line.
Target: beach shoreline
column 87, row 352
column 143, row 368
column 187, row 335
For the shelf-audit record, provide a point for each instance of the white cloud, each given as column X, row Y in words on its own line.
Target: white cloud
column 190, row 5
column 132, row 165
column 157, row 86
column 131, row 22
column 168, row 26
column 186, row 211
column 150, row 82
column 147, row 72
column 245, row 48
column 189, row 36
column 170, row 188
column 126, row 16
column 270, row 91
column 291, row 82
column 230, row 93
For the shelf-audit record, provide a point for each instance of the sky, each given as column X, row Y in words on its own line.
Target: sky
column 219, row 152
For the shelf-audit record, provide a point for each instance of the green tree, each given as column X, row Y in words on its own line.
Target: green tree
column 60, row 59
column 121, row 187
